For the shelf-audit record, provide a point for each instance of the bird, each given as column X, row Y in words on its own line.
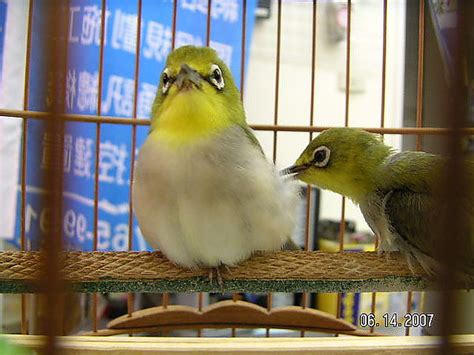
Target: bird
column 203, row 192
column 398, row 193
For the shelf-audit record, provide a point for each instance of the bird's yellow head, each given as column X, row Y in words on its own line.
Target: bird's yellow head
column 343, row 160
column 196, row 97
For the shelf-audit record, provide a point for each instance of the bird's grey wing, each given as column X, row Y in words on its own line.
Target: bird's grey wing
column 409, row 215
column 417, row 219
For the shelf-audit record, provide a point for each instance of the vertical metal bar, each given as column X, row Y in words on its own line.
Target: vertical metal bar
column 421, row 50
column 419, row 106
column 342, row 225
column 24, row 156
column 242, row 78
column 275, row 118
column 166, row 300
column 130, row 296
column 173, row 30
column 277, row 80
column 208, row 25
column 382, row 122
column 348, row 62
column 199, row 331
column 311, row 113
column 304, row 301
column 55, row 50
column 269, row 308
column 165, row 296
column 97, row 149
column 409, row 308
column 313, row 68
column 384, row 65
column 61, row 302
column 455, row 185
column 242, row 57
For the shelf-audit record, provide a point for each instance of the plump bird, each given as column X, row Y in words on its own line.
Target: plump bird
column 396, row 192
column 204, row 193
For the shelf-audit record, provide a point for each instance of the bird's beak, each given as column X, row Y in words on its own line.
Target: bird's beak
column 188, row 78
column 294, row 170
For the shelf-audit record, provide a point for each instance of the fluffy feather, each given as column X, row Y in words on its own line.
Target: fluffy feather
column 204, row 193
column 212, row 203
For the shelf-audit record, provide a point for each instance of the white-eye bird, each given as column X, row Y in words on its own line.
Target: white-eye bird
column 396, row 192
column 204, row 193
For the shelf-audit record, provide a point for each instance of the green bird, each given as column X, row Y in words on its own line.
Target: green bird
column 204, row 193
column 396, row 192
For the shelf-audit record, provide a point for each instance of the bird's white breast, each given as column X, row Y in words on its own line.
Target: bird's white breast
column 211, row 202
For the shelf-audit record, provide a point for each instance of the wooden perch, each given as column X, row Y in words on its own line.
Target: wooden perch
column 227, row 314
column 295, row 271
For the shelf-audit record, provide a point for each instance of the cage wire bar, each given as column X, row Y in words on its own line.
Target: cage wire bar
column 50, row 277
column 454, row 184
column 24, row 137
column 342, row 223
column 97, row 148
column 419, row 107
column 275, row 119
column 130, row 296
column 41, row 115
column 242, row 85
column 382, row 125
column 304, row 298
column 56, row 118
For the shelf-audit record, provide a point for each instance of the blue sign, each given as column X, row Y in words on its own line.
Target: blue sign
column 81, row 84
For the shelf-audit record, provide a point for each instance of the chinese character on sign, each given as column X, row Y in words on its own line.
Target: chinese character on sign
column 67, row 152
column 124, row 32
column 157, row 41
column 146, row 97
column 87, row 91
column 120, row 92
column 83, row 157
column 70, row 88
column 91, row 23
column 112, row 165
column 227, row 10
column 195, row 5
column 72, row 13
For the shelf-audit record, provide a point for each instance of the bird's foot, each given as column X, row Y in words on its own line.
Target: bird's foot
column 218, row 276
column 228, row 269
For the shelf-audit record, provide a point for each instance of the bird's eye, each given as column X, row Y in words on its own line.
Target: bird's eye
column 321, row 156
column 216, row 77
column 166, row 81
column 217, row 74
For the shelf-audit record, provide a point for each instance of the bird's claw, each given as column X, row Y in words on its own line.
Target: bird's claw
column 218, row 274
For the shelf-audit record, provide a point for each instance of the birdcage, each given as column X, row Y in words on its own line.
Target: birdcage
column 80, row 72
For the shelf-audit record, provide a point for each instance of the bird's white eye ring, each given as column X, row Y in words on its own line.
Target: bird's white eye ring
column 321, row 156
column 216, row 78
column 165, row 81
